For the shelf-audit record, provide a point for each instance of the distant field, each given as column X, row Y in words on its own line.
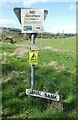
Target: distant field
column 64, row 44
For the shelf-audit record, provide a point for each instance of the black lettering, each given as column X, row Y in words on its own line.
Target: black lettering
column 45, row 94
column 54, row 97
column 32, row 12
column 48, row 95
column 30, row 91
column 37, row 27
column 34, row 92
column 39, row 93
column 32, row 16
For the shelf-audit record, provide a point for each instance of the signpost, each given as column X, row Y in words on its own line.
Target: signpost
column 32, row 23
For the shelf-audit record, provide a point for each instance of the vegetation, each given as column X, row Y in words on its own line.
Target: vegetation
column 56, row 71
column 16, row 34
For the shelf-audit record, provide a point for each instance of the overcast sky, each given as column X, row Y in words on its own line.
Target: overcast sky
column 61, row 15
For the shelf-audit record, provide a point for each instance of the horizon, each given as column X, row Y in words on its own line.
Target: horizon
column 38, row 33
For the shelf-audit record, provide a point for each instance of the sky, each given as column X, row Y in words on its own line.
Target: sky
column 61, row 14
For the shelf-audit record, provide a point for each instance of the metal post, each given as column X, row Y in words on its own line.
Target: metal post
column 32, row 66
column 32, row 39
column 32, row 77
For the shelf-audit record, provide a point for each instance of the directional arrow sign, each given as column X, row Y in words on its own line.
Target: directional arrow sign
column 31, row 19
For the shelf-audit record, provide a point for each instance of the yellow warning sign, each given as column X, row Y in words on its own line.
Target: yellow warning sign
column 33, row 57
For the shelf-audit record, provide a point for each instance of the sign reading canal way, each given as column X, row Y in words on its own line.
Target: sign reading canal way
column 32, row 20
column 54, row 97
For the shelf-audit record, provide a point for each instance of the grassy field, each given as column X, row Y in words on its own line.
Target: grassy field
column 56, row 71
column 64, row 43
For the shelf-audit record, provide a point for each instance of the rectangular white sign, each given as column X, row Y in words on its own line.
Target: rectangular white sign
column 32, row 20
column 35, row 47
column 54, row 97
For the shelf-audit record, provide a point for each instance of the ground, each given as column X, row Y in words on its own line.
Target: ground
column 56, row 71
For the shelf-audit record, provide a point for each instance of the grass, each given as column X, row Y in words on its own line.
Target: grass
column 56, row 71
column 64, row 44
column 8, row 48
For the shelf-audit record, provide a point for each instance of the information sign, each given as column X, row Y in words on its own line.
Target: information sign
column 54, row 97
column 32, row 20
